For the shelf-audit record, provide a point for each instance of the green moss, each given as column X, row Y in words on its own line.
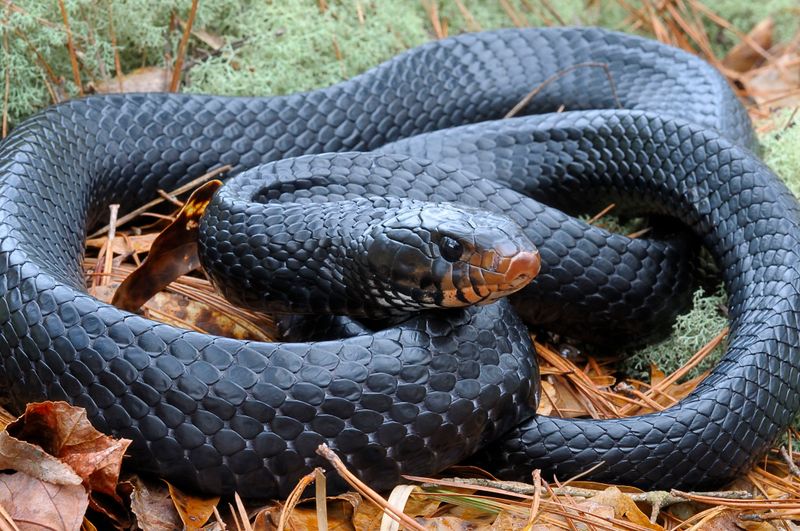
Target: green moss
column 781, row 148
column 287, row 45
column 691, row 332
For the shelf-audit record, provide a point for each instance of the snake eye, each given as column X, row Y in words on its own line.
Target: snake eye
column 451, row 250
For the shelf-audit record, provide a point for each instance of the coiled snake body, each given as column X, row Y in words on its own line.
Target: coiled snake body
column 221, row 414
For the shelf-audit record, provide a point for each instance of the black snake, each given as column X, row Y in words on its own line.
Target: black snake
column 221, row 414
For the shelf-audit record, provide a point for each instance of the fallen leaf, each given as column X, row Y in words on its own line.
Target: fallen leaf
column 194, row 511
column 506, row 520
column 147, row 79
column 35, row 462
column 596, row 509
column 743, row 56
column 34, row 504
column 152, row 505
column 624, row 507
column 65, row 432
column 777, row 83
column 173, row 253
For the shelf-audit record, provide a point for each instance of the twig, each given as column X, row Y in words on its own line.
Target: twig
column 472, row 24
column 550, row 9
column 516, row 17
column 365, row 490
column 537, row 498
column 7, row 90
column 660, row 498
column 360, row 12
column 561, row 73
column 600, row 214
column 789, row 122
column 187, row 30
column 790, row 462
column 294, row 498
column 432, row 9
column 178, row 191
column 169, row 197
column 113, row 35
column 73, row 57
column 320, row 495
column 108, row 265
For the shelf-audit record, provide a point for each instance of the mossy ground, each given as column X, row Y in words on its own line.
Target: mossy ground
column 284, row 46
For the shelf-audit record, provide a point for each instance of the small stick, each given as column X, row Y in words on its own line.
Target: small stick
column 169, row 197
column 294, row 498
column 7, row 90
column 532, row 94
column 790, row 462
column 602, row 213
column 791, row 118
column 113, row 35
column 325, row 451
column 176, row 71
column 537, row 498
column 108, row 265
column 73, row 57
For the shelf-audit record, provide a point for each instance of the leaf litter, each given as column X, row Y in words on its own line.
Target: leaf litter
column 65, row 475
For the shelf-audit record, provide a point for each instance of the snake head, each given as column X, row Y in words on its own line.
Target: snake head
column 446, row 256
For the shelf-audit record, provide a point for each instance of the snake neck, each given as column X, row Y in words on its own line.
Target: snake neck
column 297, row 258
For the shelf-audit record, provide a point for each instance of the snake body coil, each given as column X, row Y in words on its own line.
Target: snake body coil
column 220, row 414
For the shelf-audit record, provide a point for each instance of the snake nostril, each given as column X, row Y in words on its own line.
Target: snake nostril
column 523, row 267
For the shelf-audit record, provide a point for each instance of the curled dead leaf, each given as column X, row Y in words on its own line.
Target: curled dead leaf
column 16, row 454
column 65, row 432
column 173, row 253
column 624, row 508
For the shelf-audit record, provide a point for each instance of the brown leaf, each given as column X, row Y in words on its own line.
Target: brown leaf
column 743, row 57
column 34, row 461
column 65, row 432
column 147, row 79
column 173, row 253
column 777, row 83
column 194, row 511
column 36, row 504
column 152, row 504
column 624, row 507
column 506, row 520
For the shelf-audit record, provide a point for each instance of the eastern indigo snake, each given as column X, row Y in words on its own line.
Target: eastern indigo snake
column 221, row 414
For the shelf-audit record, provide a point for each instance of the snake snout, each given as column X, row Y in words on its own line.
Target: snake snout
column 521, row 269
